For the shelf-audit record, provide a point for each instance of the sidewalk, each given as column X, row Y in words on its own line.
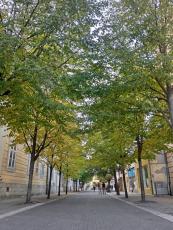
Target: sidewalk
column 14, row 204
column 163, row 204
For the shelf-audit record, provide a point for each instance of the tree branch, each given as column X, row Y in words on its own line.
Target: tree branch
column 159, row 98
column 38, row 50
column 26, row 141
column 42, row 145
column 161, row 86
column 157, row 91
column 35, row 141
column 6, row 93
column 30, row 16
column 63, row 63
column 165, row 116
column 1, row 19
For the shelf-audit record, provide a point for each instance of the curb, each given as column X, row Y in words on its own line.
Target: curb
column 152, row 211
column 12, row 213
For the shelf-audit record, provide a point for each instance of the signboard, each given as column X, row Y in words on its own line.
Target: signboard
column 131, row 172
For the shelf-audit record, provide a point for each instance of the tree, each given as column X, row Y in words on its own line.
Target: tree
column 43, row 49
column 122, row 107
column 109, row 151
column 86, row 174
column 75, row 162
column 32, row 118
column 32, row 30
column 140, row 48
column 51, row 158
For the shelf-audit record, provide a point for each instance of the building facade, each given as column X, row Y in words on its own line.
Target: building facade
column 169, row 162
column 14, row 170
column 155, row 176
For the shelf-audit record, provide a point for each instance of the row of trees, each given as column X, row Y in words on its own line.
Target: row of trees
column 42, row 44
column 106, row 64
column 129, row 108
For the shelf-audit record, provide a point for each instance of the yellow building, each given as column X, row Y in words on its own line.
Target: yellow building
column 146, row 177
column 155, row 176
column 14, row 169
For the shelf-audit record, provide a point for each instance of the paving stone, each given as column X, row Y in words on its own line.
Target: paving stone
column 85, row 211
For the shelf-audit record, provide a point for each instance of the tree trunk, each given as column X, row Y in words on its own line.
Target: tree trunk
column 76, row 186
column 50, row 182
column 47, row 179
column 125, row 186
column 73, row 185
column 139, row 145
column 66, row 186
column 117, row 190
column 168, row 175
column 170, row 102
column 31, row 172
column 141, row 179
column 59, row 186
column 109, row 186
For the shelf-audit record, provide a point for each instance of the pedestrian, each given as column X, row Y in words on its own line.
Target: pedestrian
column 103, row 188
column 132, row 185
column 94, row 188
column 99, row 188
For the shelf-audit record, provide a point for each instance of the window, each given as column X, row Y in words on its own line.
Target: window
column 12, row 157
column 160, row 158
column 145, row 176
column 42, row 170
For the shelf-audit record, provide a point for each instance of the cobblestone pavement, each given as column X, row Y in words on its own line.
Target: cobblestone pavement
column 163, row 204
column 13, row 204
column 85, row 211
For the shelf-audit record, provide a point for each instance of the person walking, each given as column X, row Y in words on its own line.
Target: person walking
column 99, row 188
column 103, row 188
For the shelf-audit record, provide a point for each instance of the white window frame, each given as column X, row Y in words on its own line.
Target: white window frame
column 12, row 157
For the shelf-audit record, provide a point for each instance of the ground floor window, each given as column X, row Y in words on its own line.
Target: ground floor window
column 12, row 157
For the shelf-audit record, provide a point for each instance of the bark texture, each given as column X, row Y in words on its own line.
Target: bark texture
column 140, row 145
column 50, row 182
column 125, row 186
column 117, row 190
column 31, row 172
column 59, row 185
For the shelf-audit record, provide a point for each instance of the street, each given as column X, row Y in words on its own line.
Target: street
column 85, row 211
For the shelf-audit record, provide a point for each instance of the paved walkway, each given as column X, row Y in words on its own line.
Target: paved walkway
column 163, row 204
column 85, row 211
column 15, row 204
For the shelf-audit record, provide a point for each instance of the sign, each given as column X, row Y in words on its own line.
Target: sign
column 131, row 172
